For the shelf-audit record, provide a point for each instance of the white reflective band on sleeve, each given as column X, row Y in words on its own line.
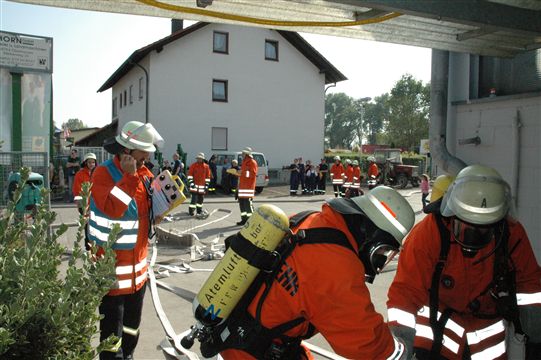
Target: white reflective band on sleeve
column 100, row 235
column 124, row 224
column 246, row 192
column 402, row 317
column 528, row 299
column 123, row 284
column 121, row 195
column 190, row 177
column 451, row 325
column 476, row 337
column 398, row 350
column 207, row 180
column 387, row 214
column 490, row 353
column 123, row 270
column 140, row 278
column 247, row 173
column 141, row 265
column 426, row 332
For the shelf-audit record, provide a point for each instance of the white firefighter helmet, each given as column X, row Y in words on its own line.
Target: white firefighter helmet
column 247, row 151
column 389, row 210
column 90, row 156
column 348, row 161
column 138, row 136
column 200, row 156
column 355, row 163
column 478, row 196
column 371, row 159
column 440, row 186
column 337, row 158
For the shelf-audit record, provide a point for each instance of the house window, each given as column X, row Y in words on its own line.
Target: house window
column 125, row 97
column 271, row 50
column 121, row 99
column 220, row 43
column 115, row 111
column 219, row 90
column 219, row 138
column 131, row 94
column 140, row 88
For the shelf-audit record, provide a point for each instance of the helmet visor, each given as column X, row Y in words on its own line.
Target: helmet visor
column 381, row 256
column 472, row 237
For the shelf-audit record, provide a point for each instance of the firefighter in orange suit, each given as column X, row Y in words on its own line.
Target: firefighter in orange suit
column 355, row 187
column 466, row 274
column 337, row 176
column 373, row 173
column 84, row 175
column 120, row 194
column 198, row 180
column 334, row 299
column 348, row 178
column 247, row 180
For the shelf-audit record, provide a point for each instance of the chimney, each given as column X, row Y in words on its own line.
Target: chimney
column 176, row 25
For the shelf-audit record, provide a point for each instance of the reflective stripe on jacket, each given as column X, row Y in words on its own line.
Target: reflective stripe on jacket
column 373, row 170
column 333, row 298
column 114, row 200
column 81, row 177
column 247, row 178
column 461, row 282
column 356, row 178
column 337, row 174
column 199, row 176
column 349, row 176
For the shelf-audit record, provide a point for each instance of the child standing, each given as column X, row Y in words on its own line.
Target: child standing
column 425, row 189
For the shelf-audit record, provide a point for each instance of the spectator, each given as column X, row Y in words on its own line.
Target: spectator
column 310, row 177
column 293, row 177
column 167, row 166
column 302, row 176
column 178, row 166
column 425, row 189
column 322, row 179
column 213, row 174
column 72, row 166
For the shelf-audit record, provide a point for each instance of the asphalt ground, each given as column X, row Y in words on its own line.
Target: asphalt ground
column 220, row 224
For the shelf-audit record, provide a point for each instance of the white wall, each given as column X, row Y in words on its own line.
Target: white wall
column 492, row 121
column 274, row 107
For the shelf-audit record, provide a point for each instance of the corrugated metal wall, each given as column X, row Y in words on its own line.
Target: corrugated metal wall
column 518, row 75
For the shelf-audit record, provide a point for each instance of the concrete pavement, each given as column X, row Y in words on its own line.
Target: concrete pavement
column 177, row 309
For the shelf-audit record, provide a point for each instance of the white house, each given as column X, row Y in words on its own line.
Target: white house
column 217, row 87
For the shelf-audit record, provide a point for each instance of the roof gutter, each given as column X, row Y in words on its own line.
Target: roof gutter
column 438, row 114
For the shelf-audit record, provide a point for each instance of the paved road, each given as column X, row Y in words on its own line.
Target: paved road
column 179, row 310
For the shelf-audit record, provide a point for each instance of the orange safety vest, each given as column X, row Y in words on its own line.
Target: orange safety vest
column 462, row 281
column 333, row 298
column 356, row 184
column 248, row 177
column 113, row 199
column 337, row 174
column 373, row 170
column 81, row 177
column 199, row 175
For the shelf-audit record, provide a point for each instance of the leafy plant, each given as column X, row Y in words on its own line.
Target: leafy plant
column 46, row 313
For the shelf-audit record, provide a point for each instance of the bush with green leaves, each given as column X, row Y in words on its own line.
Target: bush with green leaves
column 46, row 313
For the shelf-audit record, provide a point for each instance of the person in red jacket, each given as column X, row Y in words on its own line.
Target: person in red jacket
column 466, row 273
column 337, row 176
column 247, row 180
column 348, row 178
column 334, row 299
column 84, row 175
column 120, row 195
column 198, row 180
column 355, row 187
column 373, row 173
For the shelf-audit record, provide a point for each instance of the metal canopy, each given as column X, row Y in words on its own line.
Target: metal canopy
column 484, row 27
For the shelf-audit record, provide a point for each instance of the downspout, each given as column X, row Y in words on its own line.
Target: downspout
column 438, row 115
column 147, row 78
column 517, row 124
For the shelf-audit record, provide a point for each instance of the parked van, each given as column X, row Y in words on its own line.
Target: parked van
column 223, row 162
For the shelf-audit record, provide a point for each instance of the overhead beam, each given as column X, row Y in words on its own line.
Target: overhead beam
column 474, row 34
column 477, row 13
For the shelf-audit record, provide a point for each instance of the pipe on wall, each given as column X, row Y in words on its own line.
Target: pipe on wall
column 438, row 115
column 515, row 177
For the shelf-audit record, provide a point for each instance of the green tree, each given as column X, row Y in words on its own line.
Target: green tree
column 46, row 314
column 340, row 119
column 408, row 107
column 74, row 124
column 376, row 114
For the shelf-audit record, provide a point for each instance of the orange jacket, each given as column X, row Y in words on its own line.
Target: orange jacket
column 408, row 303
column 373, row 170
column 199, row 175
column 356, row 177
column 337, row 174
column 131, row 265
column 333, row 298
column 349, row 176
column 82, row 176
column 248, row 177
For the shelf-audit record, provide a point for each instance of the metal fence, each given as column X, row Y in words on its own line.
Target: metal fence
column 11, row 162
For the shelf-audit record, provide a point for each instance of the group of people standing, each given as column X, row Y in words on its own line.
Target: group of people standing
column 311, row 178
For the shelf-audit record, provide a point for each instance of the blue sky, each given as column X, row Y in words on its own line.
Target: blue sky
column 89, row 46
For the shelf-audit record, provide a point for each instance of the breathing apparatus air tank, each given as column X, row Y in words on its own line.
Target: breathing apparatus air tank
column 233, row 275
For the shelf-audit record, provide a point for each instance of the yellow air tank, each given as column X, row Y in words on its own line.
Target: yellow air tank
column 233, row 275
